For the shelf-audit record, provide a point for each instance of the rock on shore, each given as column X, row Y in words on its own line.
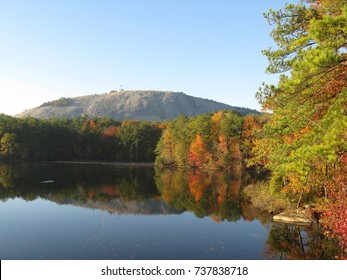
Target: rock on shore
column 297, row 217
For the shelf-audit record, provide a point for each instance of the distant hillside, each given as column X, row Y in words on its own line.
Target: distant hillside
column 137, row 105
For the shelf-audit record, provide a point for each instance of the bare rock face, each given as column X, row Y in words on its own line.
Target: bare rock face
column 136, row 105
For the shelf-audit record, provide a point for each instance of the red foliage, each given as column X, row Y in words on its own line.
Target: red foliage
column 335, row 217
column 198, row 184
column 110, row 131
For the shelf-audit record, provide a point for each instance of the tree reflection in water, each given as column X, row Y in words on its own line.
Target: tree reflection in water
column 205, row 194
column 293, row 242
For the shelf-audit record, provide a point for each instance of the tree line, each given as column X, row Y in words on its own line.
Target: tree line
column 82, row 138
column 217, row 140
column 211, row 140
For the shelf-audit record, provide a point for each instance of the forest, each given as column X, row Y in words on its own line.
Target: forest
column 300, row 137
column 83, row 138
column 219, row 140
column 209, row 141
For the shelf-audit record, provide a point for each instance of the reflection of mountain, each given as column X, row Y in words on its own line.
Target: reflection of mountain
column 120, row 191
column 116, row 190
column 150, row 206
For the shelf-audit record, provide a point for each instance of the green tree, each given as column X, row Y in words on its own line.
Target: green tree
column 139, row 140
column 9, row 147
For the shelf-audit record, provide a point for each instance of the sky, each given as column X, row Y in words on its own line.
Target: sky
column 204, row 48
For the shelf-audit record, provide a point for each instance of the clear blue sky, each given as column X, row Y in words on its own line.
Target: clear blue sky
column 205, row 48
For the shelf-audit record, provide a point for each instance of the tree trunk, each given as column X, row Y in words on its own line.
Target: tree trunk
column 299, row 202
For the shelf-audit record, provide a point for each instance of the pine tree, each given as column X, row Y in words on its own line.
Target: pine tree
column 307, row 130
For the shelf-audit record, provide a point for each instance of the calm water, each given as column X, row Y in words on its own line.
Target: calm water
column 104, row 212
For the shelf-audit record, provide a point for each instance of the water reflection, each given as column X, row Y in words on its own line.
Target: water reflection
column 299, row 243
column 205, row 194
column 223, row 224
column 97, row 187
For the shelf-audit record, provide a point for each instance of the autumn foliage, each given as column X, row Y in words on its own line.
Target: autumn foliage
column 198, row 153
column 335, row 216
column 209, row 141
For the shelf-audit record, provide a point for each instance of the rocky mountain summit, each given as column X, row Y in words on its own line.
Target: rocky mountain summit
column 136, row 105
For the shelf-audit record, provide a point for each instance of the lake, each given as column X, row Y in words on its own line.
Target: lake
column 86, row 211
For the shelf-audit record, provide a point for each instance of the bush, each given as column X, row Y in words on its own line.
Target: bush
column 261, row 197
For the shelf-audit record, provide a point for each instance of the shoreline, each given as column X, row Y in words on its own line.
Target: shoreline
column 112, row 163
column 120, row 164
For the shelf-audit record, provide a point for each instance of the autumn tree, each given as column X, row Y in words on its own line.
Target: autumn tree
column 199, row 155
column 251, row 131
column 303, row 140
column 166, row 149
